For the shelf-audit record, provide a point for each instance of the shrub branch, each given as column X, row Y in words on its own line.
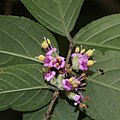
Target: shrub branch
column 51, row 105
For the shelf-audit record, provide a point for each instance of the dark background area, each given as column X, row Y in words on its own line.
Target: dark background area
column 91, row 10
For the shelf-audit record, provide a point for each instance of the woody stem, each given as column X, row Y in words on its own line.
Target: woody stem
column 70, row 39
column 51, row 105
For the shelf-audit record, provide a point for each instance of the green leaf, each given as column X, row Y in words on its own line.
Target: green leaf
column 62, row 111
column 20, row 40
column 102, row 34
column 104, row 89
column 57, row 15
column 22, row 86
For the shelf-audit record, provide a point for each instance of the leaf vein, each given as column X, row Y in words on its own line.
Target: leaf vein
column 46, row 12
column 73, row 14
column 109, row 39
column 30, row 75
column 24, row 89
column 29, row 99
column 25, row 32
column 5, row 32
column 101, row 31
column 18, row 78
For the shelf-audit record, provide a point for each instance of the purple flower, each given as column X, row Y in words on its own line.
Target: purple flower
column 80, row 60
column 59, row 62
column 76, row 98
column 47, row 61
column 76, row 54
column 83, row 63
column 50, row 52
column 66, row 85
column 49, row 75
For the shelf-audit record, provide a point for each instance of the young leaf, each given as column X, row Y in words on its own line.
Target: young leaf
column 22, row 86
column 57, row 15
column 104, row 89
column 101, row 34
column 62, row 111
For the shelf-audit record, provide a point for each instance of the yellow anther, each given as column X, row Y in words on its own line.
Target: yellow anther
column 52, row 60
column 77, row 50
column 77, row 82
column 48, row 40
column 44, row 44
column 41, row 57
column 70, row 80
column 82, row 51
column 90, row 62
column 59, row 58
column 89, row 52
column 75, row 85
column 57, row 64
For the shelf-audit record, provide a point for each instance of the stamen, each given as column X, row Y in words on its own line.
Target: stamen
column 83, row 84
column 77, row 50
column 90, row 62
column 48, row 40
column 82, row 105
column 45, row 38
column 83, row 88
column 41, row 57
column 70, row 80
column 59, row 58
column 82, row 51
column 90, row 52
column 57, row 64
column 44, row 45
column 81, row 47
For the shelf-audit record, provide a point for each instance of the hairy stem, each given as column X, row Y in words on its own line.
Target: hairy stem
column 51, row 105
column 70, row 48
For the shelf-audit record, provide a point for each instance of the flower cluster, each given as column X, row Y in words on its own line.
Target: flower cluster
column 64, row 75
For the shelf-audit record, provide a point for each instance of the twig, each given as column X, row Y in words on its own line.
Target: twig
column 54, row 98
column 70, row 48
